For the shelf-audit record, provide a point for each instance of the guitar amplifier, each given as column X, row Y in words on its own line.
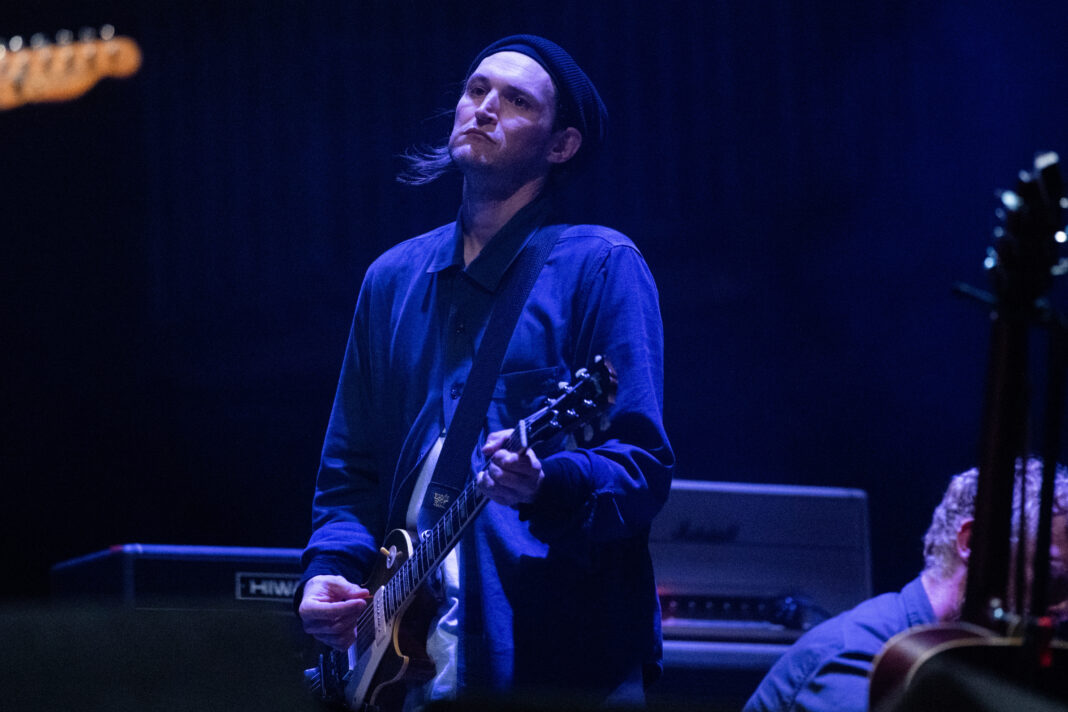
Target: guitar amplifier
column 742, row 571
column 169, row 576
column 758, row 563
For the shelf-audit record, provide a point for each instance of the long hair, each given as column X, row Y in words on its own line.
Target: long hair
column 425, row 164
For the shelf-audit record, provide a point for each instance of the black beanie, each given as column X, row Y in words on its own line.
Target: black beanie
column 580, row 104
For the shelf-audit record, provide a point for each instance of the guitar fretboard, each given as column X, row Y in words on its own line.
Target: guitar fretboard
column 434, row 546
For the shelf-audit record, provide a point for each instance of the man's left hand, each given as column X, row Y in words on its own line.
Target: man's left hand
column 510, row 478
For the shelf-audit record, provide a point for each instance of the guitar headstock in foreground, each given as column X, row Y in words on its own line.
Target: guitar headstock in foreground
column 1025, row 255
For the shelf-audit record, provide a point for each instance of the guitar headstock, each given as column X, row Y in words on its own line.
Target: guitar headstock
column 45, row 71
column 591, row 392
column 1025, row 255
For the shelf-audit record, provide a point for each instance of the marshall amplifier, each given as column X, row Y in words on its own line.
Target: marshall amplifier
column 742, row 571
column 758, row 562
column 168, row 576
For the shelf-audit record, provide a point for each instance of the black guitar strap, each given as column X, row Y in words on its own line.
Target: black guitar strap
column 454, row 462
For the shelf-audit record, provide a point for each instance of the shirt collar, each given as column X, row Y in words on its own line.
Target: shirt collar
column 917, row 605
column 489, row 267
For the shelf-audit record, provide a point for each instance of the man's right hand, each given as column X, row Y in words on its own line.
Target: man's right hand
column 330, row 607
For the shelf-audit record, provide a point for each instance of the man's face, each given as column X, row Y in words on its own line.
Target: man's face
column 504, row 118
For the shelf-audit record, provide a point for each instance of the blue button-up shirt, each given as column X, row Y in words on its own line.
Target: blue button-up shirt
column 565, row 584
column 827, row 669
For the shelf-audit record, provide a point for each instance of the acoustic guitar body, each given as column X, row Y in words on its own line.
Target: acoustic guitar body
column 961, row 650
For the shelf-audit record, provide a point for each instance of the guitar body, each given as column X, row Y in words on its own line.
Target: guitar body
column 907, row 652
column 396, row 659
column 939, row 647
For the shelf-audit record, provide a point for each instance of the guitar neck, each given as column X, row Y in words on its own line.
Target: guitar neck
column 434, row 545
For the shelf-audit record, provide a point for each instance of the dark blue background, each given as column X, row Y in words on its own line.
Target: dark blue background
column 180, row 250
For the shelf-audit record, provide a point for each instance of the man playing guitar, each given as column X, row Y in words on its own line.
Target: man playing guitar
column 550, row 591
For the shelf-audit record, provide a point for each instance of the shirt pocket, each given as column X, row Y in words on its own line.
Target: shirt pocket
column 521, row 393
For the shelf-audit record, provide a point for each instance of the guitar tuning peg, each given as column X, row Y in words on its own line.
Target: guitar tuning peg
column 64, row 37
column 107, row 32
column 587, row 432
column 15, row 43
column 1010, row 200
column 562, row 386
column 38, row 40
column 86, row 34
column 991, row 260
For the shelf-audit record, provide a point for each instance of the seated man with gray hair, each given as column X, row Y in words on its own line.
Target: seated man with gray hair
column 828, row 667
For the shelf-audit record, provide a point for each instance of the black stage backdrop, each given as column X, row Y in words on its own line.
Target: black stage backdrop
column 180, row 250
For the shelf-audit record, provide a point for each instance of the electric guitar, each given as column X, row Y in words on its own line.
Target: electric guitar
column 63, row 70
column 390, row 650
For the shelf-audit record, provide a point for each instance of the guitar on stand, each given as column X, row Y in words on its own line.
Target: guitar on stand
column 390, row 649
column 1003, row 631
